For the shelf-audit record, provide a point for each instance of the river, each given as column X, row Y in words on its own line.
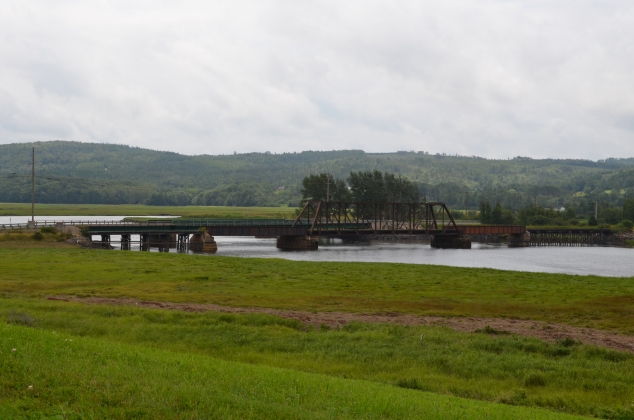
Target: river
column 602, row 261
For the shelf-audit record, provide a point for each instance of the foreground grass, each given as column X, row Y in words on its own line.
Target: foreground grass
column 24, row 209
column 565, row 376
column 585, row 301
column 49, row 374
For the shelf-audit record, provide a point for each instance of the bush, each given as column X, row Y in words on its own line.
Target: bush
column 535, row 379
column 538, row 220
column 409, row 384
column 492, row 331
column 48, row 229
column 85, row 231
column 626, row 224
column 568, row 342
column 38, row 236
column 20, row 318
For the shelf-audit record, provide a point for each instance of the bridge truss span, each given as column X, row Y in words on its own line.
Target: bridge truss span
column 338, row 218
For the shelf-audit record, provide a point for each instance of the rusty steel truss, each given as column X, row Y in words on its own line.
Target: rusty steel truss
column 338, row 218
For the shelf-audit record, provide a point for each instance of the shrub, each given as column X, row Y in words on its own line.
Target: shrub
column 492, row 331
column 535, row 379
column 48, row 229
column 38, row 236
column 20, row 318
column 567, row 342
column 408, row 383
column 538, row 220
column 626, row 224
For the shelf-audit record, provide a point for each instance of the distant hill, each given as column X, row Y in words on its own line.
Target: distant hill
column 72, row 172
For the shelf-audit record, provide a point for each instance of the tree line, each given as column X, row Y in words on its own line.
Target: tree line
column 370, row 186
column 116, row 174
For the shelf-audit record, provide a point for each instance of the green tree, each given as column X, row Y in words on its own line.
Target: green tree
column 592, row 221
column 496, row 214
column 324, row 187
column 628, row 209
column 485, row 213
column 378, row 187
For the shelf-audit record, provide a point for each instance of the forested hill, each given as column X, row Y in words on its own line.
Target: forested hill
column 72, row 172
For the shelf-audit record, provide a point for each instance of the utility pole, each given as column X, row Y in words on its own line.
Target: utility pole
column 33, row 186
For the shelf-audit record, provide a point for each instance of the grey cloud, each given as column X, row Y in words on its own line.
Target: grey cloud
column 494, row 78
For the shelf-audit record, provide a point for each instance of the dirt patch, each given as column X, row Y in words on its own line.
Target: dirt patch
column 541, row 330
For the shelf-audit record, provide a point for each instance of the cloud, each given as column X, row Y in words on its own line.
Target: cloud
column 477, row 77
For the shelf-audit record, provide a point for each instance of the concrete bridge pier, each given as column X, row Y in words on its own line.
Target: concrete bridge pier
column 203, row 242
column 105, row 239
column 297, row 243
column 518, row 240
column 450, row 241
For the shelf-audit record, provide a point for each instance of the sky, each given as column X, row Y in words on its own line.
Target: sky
column 492, row 78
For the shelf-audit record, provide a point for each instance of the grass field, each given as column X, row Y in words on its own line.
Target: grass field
column 24, row 209
column 564, row 376
column 584, row 301
column 62, row 376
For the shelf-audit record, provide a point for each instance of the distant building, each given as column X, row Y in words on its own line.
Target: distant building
column 281, row 188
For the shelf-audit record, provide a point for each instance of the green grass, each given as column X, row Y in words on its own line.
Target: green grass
column 564, row 376
column 585, row 301
column 491, row 367
column 24, row 209
column 77, row 377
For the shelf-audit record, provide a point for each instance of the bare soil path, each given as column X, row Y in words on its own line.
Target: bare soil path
column 542, row 330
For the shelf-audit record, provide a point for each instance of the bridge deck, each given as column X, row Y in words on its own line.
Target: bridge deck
column 276, row 227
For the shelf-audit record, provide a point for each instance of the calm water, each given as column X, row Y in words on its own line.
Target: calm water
column 603, row 261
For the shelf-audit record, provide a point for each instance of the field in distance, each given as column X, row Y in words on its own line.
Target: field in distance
column 224, row 212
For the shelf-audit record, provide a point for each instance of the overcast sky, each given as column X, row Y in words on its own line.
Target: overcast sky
column 490, row 78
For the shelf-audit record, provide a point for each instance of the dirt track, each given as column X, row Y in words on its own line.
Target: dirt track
column 542, row 330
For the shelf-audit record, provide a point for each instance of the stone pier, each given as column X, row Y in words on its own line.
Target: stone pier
column 203, row 242
column 449, row 241
column 297, row 243
column 519, row 240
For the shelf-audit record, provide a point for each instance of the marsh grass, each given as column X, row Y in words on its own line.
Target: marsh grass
column 497, row 368
column 563, row 376
column 584, row 301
